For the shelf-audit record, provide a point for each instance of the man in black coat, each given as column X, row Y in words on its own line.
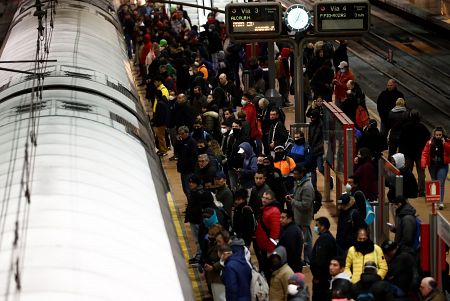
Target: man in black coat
column 243, row 217
column 277, row 132
column 292, row 240
column 198, row 200
column 405, row 227
column 386, row 102
column 401, row 266
column 414, row 135
column 323, row 251
column 186, row 148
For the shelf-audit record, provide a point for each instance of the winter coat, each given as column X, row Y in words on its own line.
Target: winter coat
column 425, row 160
column 354, row 263
column 187, row 152
column 182, row 115
column 302, row 203
column 250, row 112
column 364, row 284
column 161, row 114
column 255, row 198
column 207, row 173
column 367, row 173
column 237, row 276
column 235, row 159
column 292, row 240
column 199, row 199
column 373, row 140
column 386, row 102
column 270, row 217
column 414, row 135
column 405, row 228
column 278, row 133
column 401, row 270
column 244, row 223
column 340, row 89
column 323, row 251
column 396, row 119
column 410, row 187
column 280, row 278
column 225, row 196
column 349, row 221
column 249, row 166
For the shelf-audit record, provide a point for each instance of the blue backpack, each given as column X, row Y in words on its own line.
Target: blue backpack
column 370, row 214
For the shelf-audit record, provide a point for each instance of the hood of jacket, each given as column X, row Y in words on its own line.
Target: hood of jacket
column 248, row 150
column 399, row 159
column 398, row 109
column 406, row 209
column 280, row 251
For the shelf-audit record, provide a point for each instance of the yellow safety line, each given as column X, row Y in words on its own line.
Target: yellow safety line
column 183, row 243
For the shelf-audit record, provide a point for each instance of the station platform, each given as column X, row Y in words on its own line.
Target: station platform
column 177, row 204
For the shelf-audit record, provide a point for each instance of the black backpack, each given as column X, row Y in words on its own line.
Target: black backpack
column 317, row 201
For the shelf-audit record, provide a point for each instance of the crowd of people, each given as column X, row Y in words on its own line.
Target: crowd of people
column 251, row 185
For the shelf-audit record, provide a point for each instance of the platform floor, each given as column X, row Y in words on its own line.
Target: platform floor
column 178, row 202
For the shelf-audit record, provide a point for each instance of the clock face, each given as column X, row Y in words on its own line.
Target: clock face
column 297, row 17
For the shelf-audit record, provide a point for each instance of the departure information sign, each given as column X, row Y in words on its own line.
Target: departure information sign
column 253, row 20
column 342, row 17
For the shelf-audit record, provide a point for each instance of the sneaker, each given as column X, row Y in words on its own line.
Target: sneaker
column 173, row 158
column 441, row 206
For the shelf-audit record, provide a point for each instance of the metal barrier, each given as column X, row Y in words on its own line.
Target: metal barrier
column 386, row 172
column 338, row 132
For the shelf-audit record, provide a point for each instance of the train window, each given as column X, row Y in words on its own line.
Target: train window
column 27, row 108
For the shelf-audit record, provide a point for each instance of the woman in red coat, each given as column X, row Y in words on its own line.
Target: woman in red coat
column 436, row 156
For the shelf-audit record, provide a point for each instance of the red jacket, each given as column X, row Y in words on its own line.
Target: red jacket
column 270, row 216
column 250, row 112
column 148, row 46
column 425, row 162
column 340, row 88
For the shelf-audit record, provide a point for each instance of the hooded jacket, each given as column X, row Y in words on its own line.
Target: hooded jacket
column 405, row 230
column 280, row 277
column 249, row 166
column 410, row 187
column 237, row 276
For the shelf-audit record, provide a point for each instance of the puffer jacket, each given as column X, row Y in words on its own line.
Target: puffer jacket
column 354, row 264
column 270, row 216
column 425, row 161
column 280, row 278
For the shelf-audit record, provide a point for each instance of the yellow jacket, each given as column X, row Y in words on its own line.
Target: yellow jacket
column 354, row 264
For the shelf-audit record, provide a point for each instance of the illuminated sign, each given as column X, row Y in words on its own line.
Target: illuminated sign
column 342, row 17
column 253, row 20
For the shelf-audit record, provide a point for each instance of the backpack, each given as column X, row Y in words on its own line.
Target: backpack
column 317, row 203
column 362, row 117
column 370, row 215
column 259, row 287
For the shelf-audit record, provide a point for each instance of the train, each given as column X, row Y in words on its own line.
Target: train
column 84, row 213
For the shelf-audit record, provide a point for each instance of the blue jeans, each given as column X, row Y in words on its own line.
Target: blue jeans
column 129, row 43
column 439, row 172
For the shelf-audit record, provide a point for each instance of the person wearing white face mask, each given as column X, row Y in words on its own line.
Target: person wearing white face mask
column 297, row 291
column 340, row 83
